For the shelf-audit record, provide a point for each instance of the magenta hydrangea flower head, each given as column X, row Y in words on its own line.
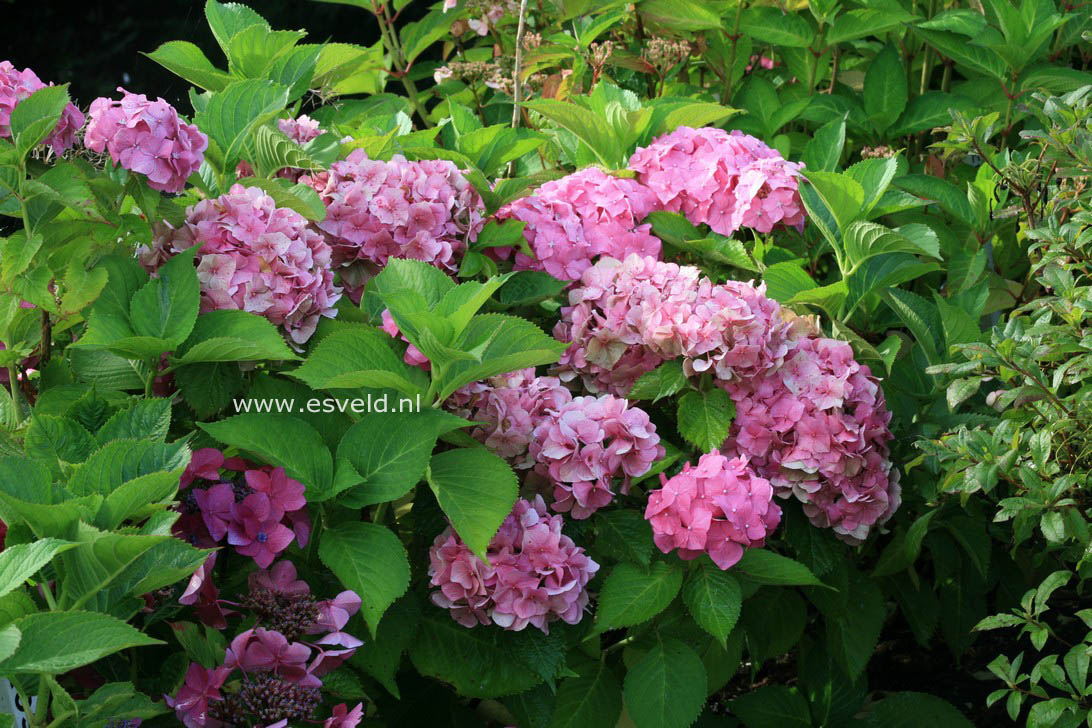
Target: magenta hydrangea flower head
column 342, row 717
column 256, row 257
column 191, row 704
column 574, row 220
column 584, row 444
column 263, row 650
column 720, row 507
column 424, row 210
column 536, row 575
column 817, row 428
column 256, row 529
column 725, row 180
column 510, row 406
column 18, row 85
column 146, row 137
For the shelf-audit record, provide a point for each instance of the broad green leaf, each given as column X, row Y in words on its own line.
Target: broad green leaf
column 967, row 55
column 907, row 709
column 280, row 440
column 589, row 128
column 252, row 50
column 772, row 706
column 56, row 440
column 776, row 27
column 492, row 147
column 824, row 149
column 882, row 273
column 298, row 197
column 921, row 317
column 390, row 452
column 476, row 489
column 665, row 688
column 166, row 306
column 231, row 335
column 874, row 176
column 705, row 418
column 226, row 20
column 885, row 89
column 360, row 356
column 679, row 15
column 663, row 381
column 232, row 114
column 56, row 642
column 864, row 240
column 624, row 535
column 592, row 697
column 22, row 561
column 842, row 196
column 34, row 117
column 864, row 22
column 526, row 287
column 631, row 594
column 930, row 110
column 126, row 459
column 97, row 562
column 145, row 418
column 904, row 548
column 416, row 37
column 672, row 227
column 184, row 59
column 370, row 560
column 786, row 280
column 384, row 654
column 714, row 599
column 766, row 567
column 431, row 283
column 718, row 249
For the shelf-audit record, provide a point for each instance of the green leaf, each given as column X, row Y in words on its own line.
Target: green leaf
column 360, row 356
column 885, row 89
column 967, row 55
column 841, row 195
column 145, row 418
column 631, row 594
column 718, row 249
column 624, row 535
column 766, row 567
column 884, row 272
column 920, row 316
column 930, row 110
column 280, row 440
column 418, row 36
column 714, row 600
column 370, row 560
column 705, row 418
column 666, row 687
column 492, row 147
column 786, row 280
column 56, row 642
column 824, row 150
column 402, row 274
column 526, row 287
column 253, row 49
column 384, row 654
column 679, row 15
column 231, row 115
column 863, row 22
column 184, row 59
column 588, row 127
column 772, row 706
column 226, row 20
column 904, row 548
column 909, row 709
column 36, row 116
column 231, row 335
column 663, row 381
column 298, row 197
column 593, row 697
column 22, row 561
column 673, row 227
column 476, row 489
column 166, row 307
column 772, row 25
column 390, row 452
column 57, row 440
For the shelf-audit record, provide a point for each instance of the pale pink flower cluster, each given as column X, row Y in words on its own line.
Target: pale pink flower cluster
column 424, row 210
column 18, row 85
column 727, row 181
column 584, row 444
column 817, row 428
column 510, row 406
column 720, row 508
column 625, row 318
column 256, row 257
column 301, row 130
column 146, row 137
column 574, row 220
column 535, row 574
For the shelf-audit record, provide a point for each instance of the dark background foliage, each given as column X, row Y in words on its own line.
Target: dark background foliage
column 97, row 45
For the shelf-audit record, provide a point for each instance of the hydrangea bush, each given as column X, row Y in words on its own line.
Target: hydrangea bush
column 574, row 391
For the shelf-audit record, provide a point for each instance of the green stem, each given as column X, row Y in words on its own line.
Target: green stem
column 730, row 71
column 13, row 382
column 398, row 58
column 42, row 709
column 380, row 512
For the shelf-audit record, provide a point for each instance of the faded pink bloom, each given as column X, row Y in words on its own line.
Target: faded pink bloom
column 191, row 704
column 343, row 717
column 280, row 578
column 262, row 650
column 146, row 137
column 719, row 508
column 573, row 221
column 535, row 575
column 585, row 443
column 18, row 85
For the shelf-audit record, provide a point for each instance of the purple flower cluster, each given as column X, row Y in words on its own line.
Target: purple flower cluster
column 535, row 574
column 718, row 508
column 281, row 669
column 146, row 137
column 581, row 446
column 259, row 510
column 574, row 220
column 511, row 406
column 256, row 257
column 817, row 428
column 727, row 181
column 424, row 210
column 625, row 318
column 18, row 85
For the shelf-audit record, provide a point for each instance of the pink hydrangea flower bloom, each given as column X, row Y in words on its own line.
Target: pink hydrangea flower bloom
column 424, row 210
column 191, row 704
column 205, row 464
column 301, row 130
column 342, row 717
column 262, row 650
column 146, row 137
column 18, row 85
column 720, row 507
column 817, row 428
column 280, row 578
column 217, row 506
column 585, row 443
column 725, row 180
column 625, row 318
column 256, row 529
column 536, row 575
column 510, row 406
column 574, row 220
column 255, row 257
column 284, row 492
